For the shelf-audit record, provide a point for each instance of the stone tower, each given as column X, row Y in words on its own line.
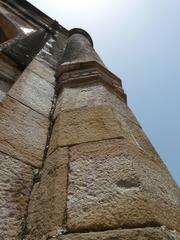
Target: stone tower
column 75, row 163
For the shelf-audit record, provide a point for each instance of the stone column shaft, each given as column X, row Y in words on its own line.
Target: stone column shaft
column 102, row 173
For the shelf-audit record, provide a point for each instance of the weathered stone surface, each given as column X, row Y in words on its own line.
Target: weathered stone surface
column 125, row 234
column 74, row 97
column 98, row 95
column 15, row 187
column 43, row 70
column 33, row 91
column 8, row 69
column 23, row 132
column 115, row 184
column 136, row 134
column 85, row 125
column 48, row 198
column 4, row 88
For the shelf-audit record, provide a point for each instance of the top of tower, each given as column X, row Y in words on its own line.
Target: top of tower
column 29, row 22
column 82, row 32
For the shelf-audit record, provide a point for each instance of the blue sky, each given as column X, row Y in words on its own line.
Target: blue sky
column 139, row 41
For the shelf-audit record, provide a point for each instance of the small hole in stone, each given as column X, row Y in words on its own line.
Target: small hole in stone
column 128, row 183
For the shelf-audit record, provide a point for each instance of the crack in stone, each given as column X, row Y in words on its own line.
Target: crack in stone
column 37, row 177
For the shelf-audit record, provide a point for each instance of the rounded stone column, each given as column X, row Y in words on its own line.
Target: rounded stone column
column 80, row 48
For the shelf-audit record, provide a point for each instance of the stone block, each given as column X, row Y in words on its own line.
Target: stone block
column 48, row 199
column 85, row 125
column 33, row 91
column 136, row 134
column 97, row 95
column 43, row 70
column 96, row 123
column 114, row 184
column 124, row 234
column 16, row 179
column 91, row 95
column 23, row 132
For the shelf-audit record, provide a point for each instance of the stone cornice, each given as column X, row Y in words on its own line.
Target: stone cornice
column 89, row 72
column 85, row 65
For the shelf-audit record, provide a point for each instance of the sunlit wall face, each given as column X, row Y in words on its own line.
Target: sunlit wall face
column 139, row 41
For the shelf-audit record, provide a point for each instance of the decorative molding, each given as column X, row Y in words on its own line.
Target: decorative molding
column 89, row 72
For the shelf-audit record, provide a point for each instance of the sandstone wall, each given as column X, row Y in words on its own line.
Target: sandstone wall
column 74, row 161
column 24, row 129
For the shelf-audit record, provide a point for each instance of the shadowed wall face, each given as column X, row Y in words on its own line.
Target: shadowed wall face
column 9, row 70
column 7, row 29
